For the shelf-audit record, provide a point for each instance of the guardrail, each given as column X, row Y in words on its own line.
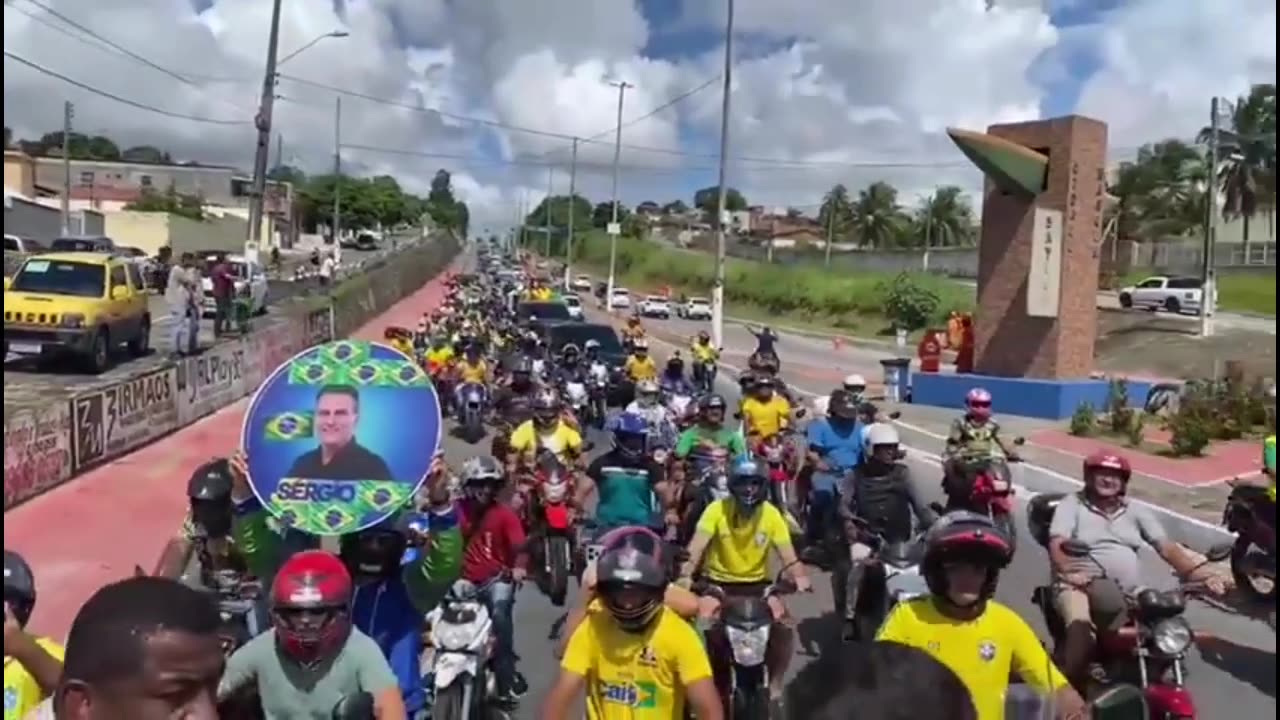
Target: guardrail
column 48, row 445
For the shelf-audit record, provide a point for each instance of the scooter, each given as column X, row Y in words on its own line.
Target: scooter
column 598, row 389
column 892, row 576
column 738, row 645
column 1251, row 515
column 578, row 399
column 460, row 655
column 704, row 375
column 471, row 414
column 990, row 490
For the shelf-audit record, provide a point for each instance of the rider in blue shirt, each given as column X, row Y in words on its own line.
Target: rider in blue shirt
column 672, row 380
column 835, row 449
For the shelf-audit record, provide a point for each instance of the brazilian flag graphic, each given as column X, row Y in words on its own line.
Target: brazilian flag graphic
column 346, row 353
column 368, row 373
column 290, row 426
column 405, row 373
column 314, row 369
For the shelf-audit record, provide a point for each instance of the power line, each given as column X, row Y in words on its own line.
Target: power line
column 122, row 100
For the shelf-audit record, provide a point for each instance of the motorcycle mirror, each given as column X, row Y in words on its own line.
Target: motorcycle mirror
column 1075, row 548
column 737, row 416
column 138, row 571
column 801, row 412
column 895, row 415
column 937, row 508
column 357, row 706
column 1218, row 553
column 588, row 446
column 1119, row 702
column 1019, row 441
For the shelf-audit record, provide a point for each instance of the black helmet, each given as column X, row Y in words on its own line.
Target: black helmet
column 211, row 481
column 712, row 402
column 376, row 551
column 748, row 484
column 522, row 366
column 843, row 405
column 675, row 363
column 630, row 580
column 967, row 537
column 19, row 587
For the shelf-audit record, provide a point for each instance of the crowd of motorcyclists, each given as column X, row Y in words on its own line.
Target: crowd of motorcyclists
column 670, row 532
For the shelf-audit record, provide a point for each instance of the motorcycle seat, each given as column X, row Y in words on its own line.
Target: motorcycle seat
column 1160, row 604
column 1040, row 510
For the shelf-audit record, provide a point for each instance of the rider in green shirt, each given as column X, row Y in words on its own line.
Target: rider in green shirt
column 700, row 442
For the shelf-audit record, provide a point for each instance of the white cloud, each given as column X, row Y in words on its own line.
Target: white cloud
column 818, row 81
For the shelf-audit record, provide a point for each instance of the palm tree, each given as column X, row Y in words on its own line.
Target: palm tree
column 945, row 218
column 878, row 219
column 1161, row 192
column 1247, row 153
column 836, row 211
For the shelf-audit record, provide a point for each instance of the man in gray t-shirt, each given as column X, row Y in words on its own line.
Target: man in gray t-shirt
column 292, row 691
column 1114, row 539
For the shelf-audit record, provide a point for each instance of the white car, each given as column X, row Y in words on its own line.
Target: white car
column 696, row 309
column 621, row 298
column 581, row 283
column 574, row 305
column 1175, row 294
column 250, row 277
column 656, row 306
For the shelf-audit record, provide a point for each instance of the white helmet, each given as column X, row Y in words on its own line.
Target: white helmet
column 647, row 387
column 880, row 434
column 855, row 381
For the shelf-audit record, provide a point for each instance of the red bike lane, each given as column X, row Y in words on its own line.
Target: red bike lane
column 95, row 528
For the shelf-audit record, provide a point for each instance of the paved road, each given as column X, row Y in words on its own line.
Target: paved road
column 54, row 530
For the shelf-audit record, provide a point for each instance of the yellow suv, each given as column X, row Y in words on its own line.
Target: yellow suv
column 82, row 304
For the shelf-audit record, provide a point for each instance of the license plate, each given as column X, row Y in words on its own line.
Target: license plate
column 26, row 348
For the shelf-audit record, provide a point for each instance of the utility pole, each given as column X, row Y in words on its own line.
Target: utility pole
column 573, row 189
column 263, row 122
column 1207, row 273
column 68, row 114
column 546, row 212
column 614, row 229
column 831, row 231
column 337, row 178
column 271, row 219
column 717, row 288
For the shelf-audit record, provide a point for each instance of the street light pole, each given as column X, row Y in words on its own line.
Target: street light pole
column 1207, row 280
column 717, row 288
column 573, row 189
column 614, row 230
column 546, row 214
column 263, row 123
column 337, row 178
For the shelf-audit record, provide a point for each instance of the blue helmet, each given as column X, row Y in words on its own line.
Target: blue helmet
column 630, row 434
column 748, row 483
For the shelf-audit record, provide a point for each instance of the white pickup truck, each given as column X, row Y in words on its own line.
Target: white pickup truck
column 656, row 306
column 1160, row 292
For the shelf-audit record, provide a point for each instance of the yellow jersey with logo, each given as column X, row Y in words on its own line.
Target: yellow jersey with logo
column 980, row 652
column 564, row 442
column 739, row 548
column 704, row 352
column 766, row 418
column 641, row 368
column 21, row 692
column 473, row 373
column 636, row 676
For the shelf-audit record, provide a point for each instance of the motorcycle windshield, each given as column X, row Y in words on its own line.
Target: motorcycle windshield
column 902, row 554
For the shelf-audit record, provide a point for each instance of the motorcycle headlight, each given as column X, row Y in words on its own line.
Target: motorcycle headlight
column 748, row 645
column 1172, row 636
column 553, row 492
column 453, row 637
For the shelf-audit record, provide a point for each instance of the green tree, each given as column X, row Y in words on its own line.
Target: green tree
column 170, row 201
column 944, row 219
column 1161, row 192
column 602, row 215
column 1247, row 149
column 675, row 207
column 582, row 213
column 648, row 207
column 708, row 200
column 878, row 218
column 837, row 211
column 146, row 154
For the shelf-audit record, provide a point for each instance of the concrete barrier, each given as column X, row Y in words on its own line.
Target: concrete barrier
column 1028, row 397
column 48, row 445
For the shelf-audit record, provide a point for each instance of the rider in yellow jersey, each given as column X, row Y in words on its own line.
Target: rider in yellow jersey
column 634, row 330
column 471, row 370
column 546, row 431
column 639, row 366
column 440, row 355
column 731, row 544
column 960, row 625
column 633, row 657
column 764, row 412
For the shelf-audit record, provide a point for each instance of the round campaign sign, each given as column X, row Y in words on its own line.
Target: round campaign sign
column 341, row 437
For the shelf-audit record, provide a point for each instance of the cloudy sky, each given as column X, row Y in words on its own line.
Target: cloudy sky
column 824, row 91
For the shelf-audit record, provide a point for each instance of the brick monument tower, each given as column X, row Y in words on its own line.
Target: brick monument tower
column 1038, row 256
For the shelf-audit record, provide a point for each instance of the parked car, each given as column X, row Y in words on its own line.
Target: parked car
column 621, row 299
column 581, row 283
column 1173, row 293
column 550, row 310
column 81, row 304
column 83, row 243
column 251, row 279
column 16, row 243
column 573, row 304
column 656, row 306
column 697, row 308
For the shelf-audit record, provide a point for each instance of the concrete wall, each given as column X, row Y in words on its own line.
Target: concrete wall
column 955, row 262
column 149, row 232
column 36, row 221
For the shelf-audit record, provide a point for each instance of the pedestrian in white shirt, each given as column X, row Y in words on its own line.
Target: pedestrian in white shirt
column 327, row 269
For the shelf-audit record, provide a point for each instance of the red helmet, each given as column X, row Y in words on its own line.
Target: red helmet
column 978, row 404
column 1107, row 460
column 311, row 606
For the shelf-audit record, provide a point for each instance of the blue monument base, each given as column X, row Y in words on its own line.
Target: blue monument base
column 1028, row 397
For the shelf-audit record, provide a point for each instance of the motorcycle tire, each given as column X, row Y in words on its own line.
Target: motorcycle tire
column 1239, row 555
column 557, row 569
column 750, row 704
column 475, row 427
column 450, row 703
column 1005, row 522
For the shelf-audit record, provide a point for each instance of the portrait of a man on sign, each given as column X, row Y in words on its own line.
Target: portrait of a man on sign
column 339, row 456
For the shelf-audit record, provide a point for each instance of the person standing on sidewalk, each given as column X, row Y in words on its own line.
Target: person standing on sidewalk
column 224, row 288
column 178, row 296
column 327, row 269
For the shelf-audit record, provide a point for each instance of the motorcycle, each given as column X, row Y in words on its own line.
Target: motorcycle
column 459, row 654
column 1150, row 650
column 892, row 576
column 1251, row 515
column 710, row 483
column 990, row 489
column 578, row 399
column 554, row 525
column 777, row 457
column 704, row 375
column 243, row 615
column 471, row 414
column 738, row 645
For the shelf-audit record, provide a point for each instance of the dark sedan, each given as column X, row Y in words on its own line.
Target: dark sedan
column 559, row 334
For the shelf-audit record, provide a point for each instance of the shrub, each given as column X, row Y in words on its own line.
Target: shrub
column 1189, row 434
column 1136, row 432
column 908, row 305
column 1084, row 421
column 1119, row 414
